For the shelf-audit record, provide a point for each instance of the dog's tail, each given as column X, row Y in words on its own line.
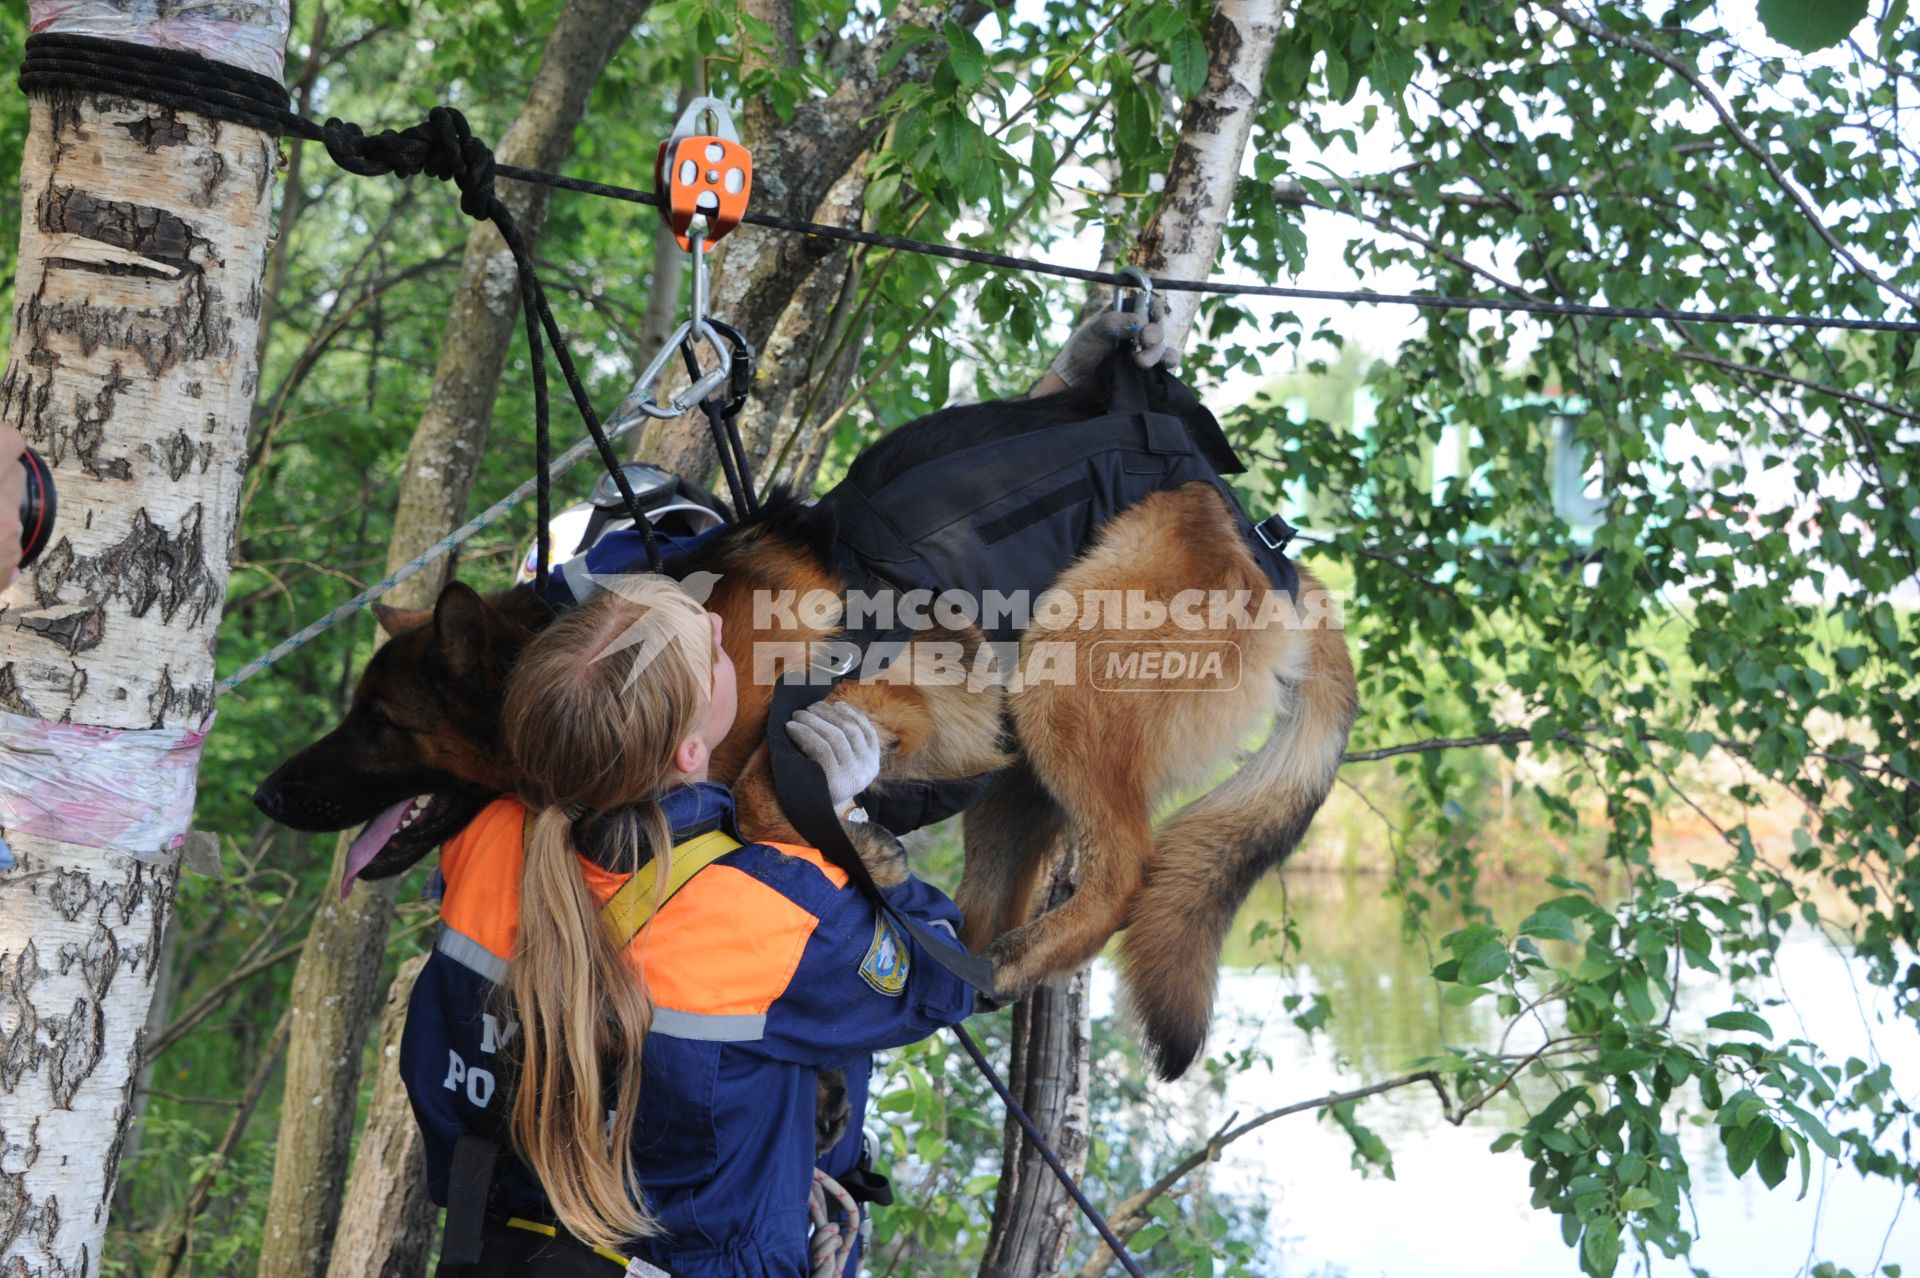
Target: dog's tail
column 1209, row 854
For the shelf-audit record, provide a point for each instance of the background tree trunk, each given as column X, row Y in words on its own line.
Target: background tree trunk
column 1033, row 1219
column 386, row 1224
column 1183, row 238
column 335, row 985
column 758, row 274
column 132, row 369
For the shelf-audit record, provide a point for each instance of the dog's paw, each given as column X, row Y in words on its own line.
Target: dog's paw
column 1011, row 982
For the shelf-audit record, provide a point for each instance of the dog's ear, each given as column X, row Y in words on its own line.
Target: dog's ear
column 461, row 627
column 397, row 621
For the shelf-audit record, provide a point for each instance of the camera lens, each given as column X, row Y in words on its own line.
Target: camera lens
column 37, row 508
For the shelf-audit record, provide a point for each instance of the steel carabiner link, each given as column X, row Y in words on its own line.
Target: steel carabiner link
column 697, row 327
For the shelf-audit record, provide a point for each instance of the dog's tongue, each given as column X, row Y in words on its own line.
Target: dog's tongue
column 367, row 844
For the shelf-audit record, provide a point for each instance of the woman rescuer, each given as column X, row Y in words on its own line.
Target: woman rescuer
column 644, row 1047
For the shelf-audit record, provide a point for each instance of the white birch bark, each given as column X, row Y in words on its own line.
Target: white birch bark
column 132, row 370
column 1183, row 239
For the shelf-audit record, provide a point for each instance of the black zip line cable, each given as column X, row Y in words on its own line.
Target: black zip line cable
column 1035, row 266
column 190, row 82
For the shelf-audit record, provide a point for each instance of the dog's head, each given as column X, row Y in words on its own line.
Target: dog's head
column 419, row 752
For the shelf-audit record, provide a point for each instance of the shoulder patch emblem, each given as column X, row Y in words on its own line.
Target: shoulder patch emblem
column 885, row 967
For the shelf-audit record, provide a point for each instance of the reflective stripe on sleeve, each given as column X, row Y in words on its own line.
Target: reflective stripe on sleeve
column 704, row 1027
column 470, row 954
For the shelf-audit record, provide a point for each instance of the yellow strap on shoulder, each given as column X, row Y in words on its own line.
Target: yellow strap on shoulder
column 633, row 904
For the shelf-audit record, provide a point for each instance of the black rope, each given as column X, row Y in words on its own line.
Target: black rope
column 190, row 82
column 1052, row 1160
column 725, row 427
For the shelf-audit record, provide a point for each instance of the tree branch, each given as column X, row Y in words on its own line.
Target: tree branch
column 1597, row 30
column 1512, row 736
column 1130, row 1217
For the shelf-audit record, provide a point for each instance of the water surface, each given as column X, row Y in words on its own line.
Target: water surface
column 1455, row 1209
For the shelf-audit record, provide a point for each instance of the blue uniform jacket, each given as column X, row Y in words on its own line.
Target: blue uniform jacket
column 765, row 968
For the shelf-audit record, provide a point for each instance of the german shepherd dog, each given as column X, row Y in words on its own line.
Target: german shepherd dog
column 419, row 752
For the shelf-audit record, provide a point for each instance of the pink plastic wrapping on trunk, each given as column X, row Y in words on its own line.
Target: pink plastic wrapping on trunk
column 129, row 789
column 249, row 34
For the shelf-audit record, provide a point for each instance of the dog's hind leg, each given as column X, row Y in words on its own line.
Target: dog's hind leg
column 1143, row 694
column 1095, row 774
column 1014, row 834
column 1099, row 789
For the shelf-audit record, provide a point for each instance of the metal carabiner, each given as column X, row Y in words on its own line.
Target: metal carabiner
column 696, row 328
column 1143, row 305
column 640, row 399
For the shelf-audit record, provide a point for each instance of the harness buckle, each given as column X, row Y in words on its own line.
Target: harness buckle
column 1275, row 532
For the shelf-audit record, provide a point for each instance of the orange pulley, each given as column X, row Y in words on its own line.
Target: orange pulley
column 703, row 174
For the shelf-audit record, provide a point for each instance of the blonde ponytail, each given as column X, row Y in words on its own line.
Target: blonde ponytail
column 593, row 713
column 580, row 1009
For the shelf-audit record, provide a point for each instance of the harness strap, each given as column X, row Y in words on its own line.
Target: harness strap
column 635, row 1267
column 633, row 905
column 469, row 1185
column 802, row 787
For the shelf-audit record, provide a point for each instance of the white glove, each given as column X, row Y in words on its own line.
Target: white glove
column 843, row 742
column 1094, row 340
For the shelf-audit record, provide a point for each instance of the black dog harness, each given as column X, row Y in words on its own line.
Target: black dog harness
column 1007, row 512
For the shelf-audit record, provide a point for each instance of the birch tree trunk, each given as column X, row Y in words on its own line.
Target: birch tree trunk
column 386, row 1224
column 335, row 987
column 1034, row 1221
column 132, row 369
column 1183, row 238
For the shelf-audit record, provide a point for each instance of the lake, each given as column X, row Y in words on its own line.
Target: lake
column 1455, row 1208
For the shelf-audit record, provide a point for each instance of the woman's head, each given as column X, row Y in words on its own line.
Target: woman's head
column 617, row 702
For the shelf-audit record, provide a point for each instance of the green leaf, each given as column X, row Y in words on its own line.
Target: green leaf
column 1816, row 1131
column 965, row 56
column 1339, row 79
column 1637, row 1199
column 1549, row 924
column 1600, row 1249
column 1188, row 61
column 1746, row 1021
column 1483, row 964
column 1771, row 1158
column 1808, row 25
column 1042, row 165
column 1134, row 120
